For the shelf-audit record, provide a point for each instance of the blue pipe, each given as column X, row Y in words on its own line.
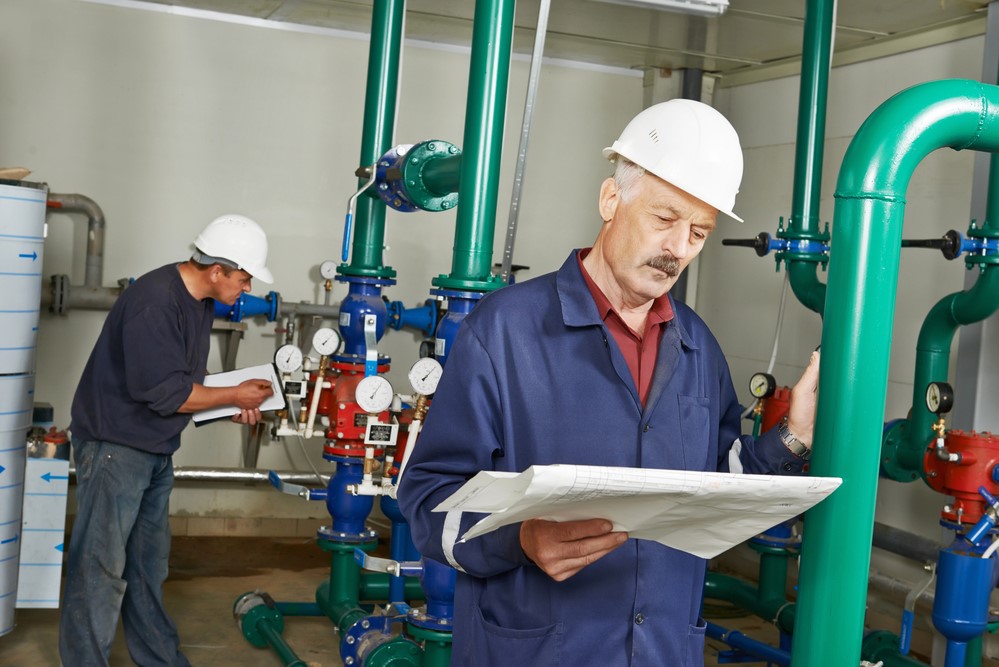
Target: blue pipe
column 248, row 305
column 738, row 640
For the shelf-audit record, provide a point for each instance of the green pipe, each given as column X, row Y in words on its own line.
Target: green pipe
column 485, row 114
column 882, row 646
column 436, row 645
column 338, row 596
column 443, row 175
column 809, row 145
column 375, row 586
column 973, row 653
column 376, row 138
column 299, row 609
column 280, row 646
column 771, row 589
column 723, row 587
column 856, row 340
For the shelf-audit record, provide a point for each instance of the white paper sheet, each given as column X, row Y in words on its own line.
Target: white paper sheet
column 264, row 372
column 703, row 513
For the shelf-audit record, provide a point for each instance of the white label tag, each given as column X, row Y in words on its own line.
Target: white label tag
column 439, row 347
column 345, row 319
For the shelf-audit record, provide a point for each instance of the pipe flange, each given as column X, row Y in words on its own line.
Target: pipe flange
column 414, row 183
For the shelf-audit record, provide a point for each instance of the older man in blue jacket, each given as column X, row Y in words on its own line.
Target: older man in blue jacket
column 597, row 364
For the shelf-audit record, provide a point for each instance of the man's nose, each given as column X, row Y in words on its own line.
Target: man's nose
column 248, row 286
column 677, row 241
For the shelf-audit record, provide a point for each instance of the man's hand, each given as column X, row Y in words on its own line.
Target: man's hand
column 251, row 393
column 801, row 414
column 248, row 417
column 561, row 549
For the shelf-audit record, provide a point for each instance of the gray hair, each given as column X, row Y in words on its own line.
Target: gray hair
column 626, row 176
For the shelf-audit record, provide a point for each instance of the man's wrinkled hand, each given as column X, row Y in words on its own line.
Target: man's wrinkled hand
column 561, row 549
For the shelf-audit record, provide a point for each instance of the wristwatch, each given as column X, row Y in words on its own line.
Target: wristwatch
column 797, row 447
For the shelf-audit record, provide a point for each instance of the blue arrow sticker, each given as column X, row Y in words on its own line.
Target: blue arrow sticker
column 10, row 539
column 2, row 469
column 33, row 255
column 48, row 477
column 59, row 547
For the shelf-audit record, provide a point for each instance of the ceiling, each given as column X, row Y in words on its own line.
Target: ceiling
column 753, row 41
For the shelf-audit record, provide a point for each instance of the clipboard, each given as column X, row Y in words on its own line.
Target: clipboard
column 268, row 372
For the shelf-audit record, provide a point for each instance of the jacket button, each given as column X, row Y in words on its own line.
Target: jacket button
column 639, row 618
column 788, row 467
column 646, row 429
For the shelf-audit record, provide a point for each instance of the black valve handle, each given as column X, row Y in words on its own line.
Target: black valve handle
column 761, row 243
column 949, row 244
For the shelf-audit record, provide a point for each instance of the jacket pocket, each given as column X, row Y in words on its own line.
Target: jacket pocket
column 503, row 646
column 695, row 431
column 695, row 643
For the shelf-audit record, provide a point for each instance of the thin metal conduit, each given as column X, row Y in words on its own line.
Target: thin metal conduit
column 244, row 475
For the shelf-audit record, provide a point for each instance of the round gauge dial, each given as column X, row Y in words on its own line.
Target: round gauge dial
column 762, row 385
column 374, row 394
column 326, row 341
column 425, row 374
column 288, row 358
column 939, row 397
column 328, row 269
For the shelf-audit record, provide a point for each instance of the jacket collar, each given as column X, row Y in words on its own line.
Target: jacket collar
column 579, row 309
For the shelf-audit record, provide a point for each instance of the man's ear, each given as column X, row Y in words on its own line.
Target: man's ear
column 610, row 197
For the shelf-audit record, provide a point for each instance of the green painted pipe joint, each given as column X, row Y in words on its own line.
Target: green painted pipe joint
column 431, row 174
column 397, row 652
column 255, row 611
column 896, row 463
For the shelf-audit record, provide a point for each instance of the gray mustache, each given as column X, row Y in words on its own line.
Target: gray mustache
column 666, row 263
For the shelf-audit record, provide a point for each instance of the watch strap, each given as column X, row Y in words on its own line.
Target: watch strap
column 794, row 445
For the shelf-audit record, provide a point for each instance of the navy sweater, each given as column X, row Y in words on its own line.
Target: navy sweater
column 151, row 352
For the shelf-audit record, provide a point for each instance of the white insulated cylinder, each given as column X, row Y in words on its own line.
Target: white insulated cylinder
column 22, row 234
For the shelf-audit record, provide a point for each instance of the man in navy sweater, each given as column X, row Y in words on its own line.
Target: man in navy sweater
column 138, row 391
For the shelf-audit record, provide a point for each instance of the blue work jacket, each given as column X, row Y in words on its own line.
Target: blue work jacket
column 535, row 377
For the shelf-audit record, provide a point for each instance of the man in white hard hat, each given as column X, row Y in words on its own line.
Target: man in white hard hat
column 138, row 391
column 596, row 364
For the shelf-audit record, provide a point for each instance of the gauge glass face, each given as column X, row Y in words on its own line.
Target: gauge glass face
column 933, row 397
column 288, row 358
column 326, row 341
column 939, row 397
column 761, row 384
column 424, row 375
column 374, row 394
column 328, row 269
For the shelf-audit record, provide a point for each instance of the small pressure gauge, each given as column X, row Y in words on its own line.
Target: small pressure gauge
column 328, row 269
column 762, row 385
column 374, row 394
column 425, row 374
column 326, row 341
column 939, row 397
column 288, row 358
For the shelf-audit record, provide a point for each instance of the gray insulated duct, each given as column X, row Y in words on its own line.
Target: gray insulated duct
column 22, row 229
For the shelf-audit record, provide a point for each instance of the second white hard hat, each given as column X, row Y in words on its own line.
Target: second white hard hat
column 688, row 144
column 239, row 240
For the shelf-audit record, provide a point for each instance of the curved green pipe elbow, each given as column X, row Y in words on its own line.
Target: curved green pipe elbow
column 805, row 284
column 856, row 341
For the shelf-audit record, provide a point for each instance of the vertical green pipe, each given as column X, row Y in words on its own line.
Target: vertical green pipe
column 809, row 148
column 485, row 115
column 376, row 138
column 856, row 340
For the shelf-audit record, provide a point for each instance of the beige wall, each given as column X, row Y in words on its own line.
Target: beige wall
column 167, row 121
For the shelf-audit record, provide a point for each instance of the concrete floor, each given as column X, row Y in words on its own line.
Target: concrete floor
column 206, row 577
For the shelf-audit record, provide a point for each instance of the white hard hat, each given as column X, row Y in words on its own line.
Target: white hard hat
column 239, row 240
column 688, row 144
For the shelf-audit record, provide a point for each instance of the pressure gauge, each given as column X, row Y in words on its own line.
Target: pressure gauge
column 939, row 397
column 762, row 385
column 326, row 341
column 425, row 374
column 328, row 269
column 373, row 394
column 288, row 358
